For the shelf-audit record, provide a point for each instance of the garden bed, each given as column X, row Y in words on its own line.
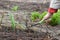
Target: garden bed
column 8, row 34
column 25, row 9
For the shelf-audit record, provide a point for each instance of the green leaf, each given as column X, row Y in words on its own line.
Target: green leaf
column 35, row 15
column 15, row 8
column 12, row 21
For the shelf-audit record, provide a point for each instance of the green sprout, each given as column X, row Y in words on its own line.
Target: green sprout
column 13, row 25
column 15, row 8
column 35, row 15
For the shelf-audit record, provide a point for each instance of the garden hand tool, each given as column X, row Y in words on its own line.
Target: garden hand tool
column 24, row 27
column 38, row 23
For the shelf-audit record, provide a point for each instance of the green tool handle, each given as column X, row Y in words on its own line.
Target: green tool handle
column 38, row 23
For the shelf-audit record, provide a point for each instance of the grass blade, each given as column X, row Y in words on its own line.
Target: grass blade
column 13, row 25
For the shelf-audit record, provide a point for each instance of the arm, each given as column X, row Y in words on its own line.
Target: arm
column 53, row 8
column 47, row 16
column 51, row 11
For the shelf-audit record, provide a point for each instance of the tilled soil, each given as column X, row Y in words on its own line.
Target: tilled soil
column 8, row 34
column 24, row 6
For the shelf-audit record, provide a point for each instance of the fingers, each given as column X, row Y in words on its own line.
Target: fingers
column 47, row 21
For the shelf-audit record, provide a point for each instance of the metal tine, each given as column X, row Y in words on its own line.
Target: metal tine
column 38, row 23
column 35, row 24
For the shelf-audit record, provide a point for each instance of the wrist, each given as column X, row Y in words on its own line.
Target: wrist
column 52, row 10
column 47, row 16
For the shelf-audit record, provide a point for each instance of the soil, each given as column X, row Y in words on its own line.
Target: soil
column 9, row 34
column 6, row 33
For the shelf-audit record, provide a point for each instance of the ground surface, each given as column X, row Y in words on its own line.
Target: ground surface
column 24, row 10
column 8, row 34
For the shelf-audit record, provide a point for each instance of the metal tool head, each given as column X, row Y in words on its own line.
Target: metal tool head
column 35, row 24
column 38, row 23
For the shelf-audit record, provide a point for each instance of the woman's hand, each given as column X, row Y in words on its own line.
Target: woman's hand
column 48, row 21
column 46, row 18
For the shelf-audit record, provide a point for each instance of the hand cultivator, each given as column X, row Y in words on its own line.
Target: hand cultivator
column 42, row 28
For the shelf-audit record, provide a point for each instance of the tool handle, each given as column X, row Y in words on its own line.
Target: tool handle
column 38, row 23
column 35, row 24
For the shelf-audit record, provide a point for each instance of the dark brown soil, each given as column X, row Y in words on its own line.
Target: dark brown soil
column 9, row 34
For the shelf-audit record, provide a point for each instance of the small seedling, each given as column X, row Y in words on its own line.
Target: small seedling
column 15, row 8
column 35, row 15
column 12, row 21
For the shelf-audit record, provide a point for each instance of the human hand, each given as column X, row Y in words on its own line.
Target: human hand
column 48, row 21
